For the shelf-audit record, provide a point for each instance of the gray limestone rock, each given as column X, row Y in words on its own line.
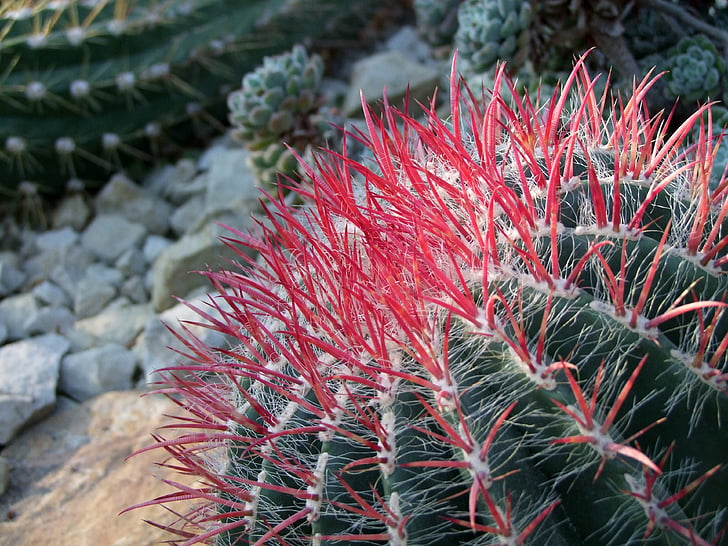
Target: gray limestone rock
column 73, row 211
column 3, row 329
column 394, row 71
column 71, row 268
column 4, row 475
column 156, row 345
column 56, row 239
column 173, row 271
column 17, row 311
column 231, row 186
column 94, row 371
column 176, row 183
column 119, row 324
column 137, row 205
column 50, row 293
column 187, row 215
column 11, row 277
column 153, row 247
column 91, row 296
column 51, row 319
column 108, row 236
column 28, row 379
column 132, row 262
column 134, row 289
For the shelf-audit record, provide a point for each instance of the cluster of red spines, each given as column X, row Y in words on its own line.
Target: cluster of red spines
column 379, row 263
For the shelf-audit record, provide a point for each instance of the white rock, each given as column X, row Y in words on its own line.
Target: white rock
column 91, row 296
column 73, row 212
column 231, row 185
column 134, row 289
column 407, row 39
column 109, row 235
column 154, row 245
column 394, row 71
column 104, row 273
column 51, row 319
column 17, row 311
column 50, row 293
column 57, row 239
column 71, row 267
column 132, row 262
column 176, row 183
column 156, row 345
column 101, row 369
column 122, row 196
column 11, row 277
column 210, row 155
column 28, row 379
column 173, row 270
column 119, row 324
column 187, row 215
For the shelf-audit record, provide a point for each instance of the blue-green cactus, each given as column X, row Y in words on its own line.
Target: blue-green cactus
column 272, row 108
column 275, row 97
column 437, row 19
column 493, row 30
column 697, row 70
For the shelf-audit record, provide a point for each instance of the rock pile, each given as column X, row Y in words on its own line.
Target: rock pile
column 98, row 286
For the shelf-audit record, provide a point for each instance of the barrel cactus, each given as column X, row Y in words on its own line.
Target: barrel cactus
column 272, row 109
column 511, row 329
column 493, row 30
column 85, row 86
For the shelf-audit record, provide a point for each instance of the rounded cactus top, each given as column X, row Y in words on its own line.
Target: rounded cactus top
column 697, row 70
column 274, row 94
column 492, row 30
column 437, row 19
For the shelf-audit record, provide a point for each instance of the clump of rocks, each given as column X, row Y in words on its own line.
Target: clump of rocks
column 84, row 304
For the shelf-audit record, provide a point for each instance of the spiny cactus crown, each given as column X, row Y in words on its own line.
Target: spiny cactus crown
column 511, row 330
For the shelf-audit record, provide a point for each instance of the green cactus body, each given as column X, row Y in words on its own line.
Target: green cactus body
column 512, row 330
column 697, row 70
column 493, row 30
column 85, row 84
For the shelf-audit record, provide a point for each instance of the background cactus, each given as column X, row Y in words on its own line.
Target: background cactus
column 85, row 87
column 697, row 70
column 511, row 330
column 437, row 19
column 491, row 30
column 272, row 110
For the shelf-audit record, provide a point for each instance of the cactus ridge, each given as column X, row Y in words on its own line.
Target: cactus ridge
column 148, row 74
column 511, row 330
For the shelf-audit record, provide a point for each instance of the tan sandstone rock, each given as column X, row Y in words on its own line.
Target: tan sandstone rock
column 69, row 480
